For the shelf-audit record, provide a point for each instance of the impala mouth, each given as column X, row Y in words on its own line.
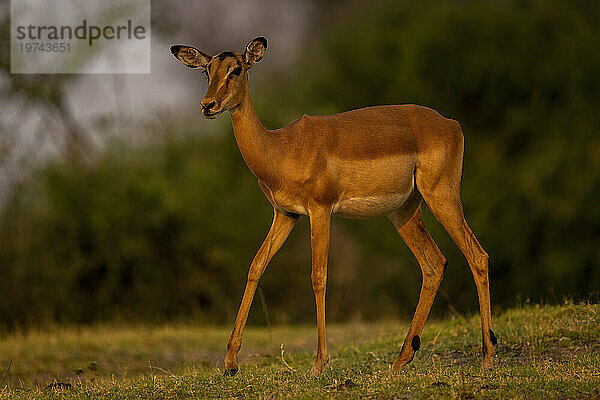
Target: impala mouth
column 212, row 115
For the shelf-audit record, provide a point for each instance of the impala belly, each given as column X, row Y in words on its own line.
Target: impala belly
column 375, row 187
column 370, row 206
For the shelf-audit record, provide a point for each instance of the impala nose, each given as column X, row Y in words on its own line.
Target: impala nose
column 206, row 108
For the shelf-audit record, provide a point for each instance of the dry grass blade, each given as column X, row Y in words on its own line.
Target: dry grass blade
column 152, row 368
column 285, row 362
column 435, row 340
column 6, row 374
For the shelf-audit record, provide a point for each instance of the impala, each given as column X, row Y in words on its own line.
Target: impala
column 364, row 163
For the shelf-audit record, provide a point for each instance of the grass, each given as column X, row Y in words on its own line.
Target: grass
column 543, row 352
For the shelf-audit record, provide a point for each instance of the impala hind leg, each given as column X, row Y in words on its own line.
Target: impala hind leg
column 444, row 202
column 280, row 229
column 433, row 264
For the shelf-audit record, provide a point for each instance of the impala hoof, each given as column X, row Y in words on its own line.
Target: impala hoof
column 319, row 366
column 401, row 362
column 316, row 371
column 487, row 364
column 406, row 355
column 230, row 372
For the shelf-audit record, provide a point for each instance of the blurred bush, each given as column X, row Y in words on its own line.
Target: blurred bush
column 138, row 234
column 168, row 230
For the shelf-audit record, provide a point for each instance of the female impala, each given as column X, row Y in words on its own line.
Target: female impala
column 364, row 163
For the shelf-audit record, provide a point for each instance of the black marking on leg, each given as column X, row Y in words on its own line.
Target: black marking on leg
column 230, row 372
column 415, row 342
column 493, row 337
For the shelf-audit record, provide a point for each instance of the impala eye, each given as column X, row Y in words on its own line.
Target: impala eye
column 235, row 72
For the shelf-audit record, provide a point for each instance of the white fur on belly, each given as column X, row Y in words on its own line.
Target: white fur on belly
column 370, row 206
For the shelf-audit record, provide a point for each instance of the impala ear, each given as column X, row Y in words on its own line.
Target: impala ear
column 190, row 56
column 255, row 50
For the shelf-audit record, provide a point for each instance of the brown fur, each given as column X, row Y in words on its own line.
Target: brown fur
column 364, row 163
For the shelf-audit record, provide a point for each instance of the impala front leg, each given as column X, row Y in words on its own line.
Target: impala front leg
column 320, row 220
column 280, row 229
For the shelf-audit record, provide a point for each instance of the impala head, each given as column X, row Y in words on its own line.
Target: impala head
column 226, row 72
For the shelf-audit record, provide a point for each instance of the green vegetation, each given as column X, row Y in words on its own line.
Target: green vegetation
column 543, row 352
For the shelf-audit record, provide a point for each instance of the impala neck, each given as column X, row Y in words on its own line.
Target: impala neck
column 256, row 143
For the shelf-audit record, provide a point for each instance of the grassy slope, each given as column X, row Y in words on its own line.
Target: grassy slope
column 543, row 352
